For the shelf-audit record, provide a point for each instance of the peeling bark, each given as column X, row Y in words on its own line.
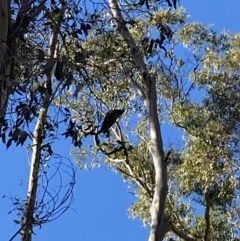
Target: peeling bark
column 159, row 226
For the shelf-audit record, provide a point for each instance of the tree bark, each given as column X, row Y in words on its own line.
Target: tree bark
column 5, row 56
column 28, row 220
column 8, row 35
column 159, row 226
column 28, row 217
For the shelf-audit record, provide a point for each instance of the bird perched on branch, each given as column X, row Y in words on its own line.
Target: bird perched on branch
column 109, row 120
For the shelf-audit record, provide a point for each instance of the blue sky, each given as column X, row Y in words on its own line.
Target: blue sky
column 101, row 198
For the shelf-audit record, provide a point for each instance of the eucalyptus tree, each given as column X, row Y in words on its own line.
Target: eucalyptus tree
column 151, row 60
column 34, row 45
column 75, row 61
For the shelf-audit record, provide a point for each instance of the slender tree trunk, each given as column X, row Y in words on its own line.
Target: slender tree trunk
column 28, row 220
column 6, row 56
column 159, row 223
column 28, row 217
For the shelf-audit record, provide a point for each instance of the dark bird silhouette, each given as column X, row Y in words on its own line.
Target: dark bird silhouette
column 109, row 120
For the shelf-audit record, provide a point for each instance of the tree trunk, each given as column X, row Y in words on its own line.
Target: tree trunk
column 28, row 217
column 159, row 224
column 28, row 220
column 5, row 56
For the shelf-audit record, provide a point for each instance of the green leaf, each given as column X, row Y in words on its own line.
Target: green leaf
column 9, row 143
column 23, row 137
column 3, row 137
column 15, row 134
column 48, row 67
column 57, row 14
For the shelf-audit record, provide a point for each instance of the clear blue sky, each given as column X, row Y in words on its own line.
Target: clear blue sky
column 101, row 198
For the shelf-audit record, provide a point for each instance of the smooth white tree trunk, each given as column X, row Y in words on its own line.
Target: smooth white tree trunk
column 159, row 223
column 28, row 220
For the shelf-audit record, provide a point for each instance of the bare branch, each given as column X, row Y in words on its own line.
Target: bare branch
column 141, row 183
column 52, row 204
column 180, row 233
column 138, row 88
column 134, row 84
column 137, row 57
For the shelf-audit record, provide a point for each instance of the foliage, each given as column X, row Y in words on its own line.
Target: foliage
column 197, row 73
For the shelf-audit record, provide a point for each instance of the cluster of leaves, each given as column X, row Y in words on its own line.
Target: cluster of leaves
column 203, row 174
column 90, row 78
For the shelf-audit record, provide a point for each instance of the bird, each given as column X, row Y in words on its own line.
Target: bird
column 109, row 119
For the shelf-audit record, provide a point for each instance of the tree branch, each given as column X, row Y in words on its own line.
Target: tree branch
column 207, row 216
column 134, row 84
column 181, row 234
column 135, row 52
